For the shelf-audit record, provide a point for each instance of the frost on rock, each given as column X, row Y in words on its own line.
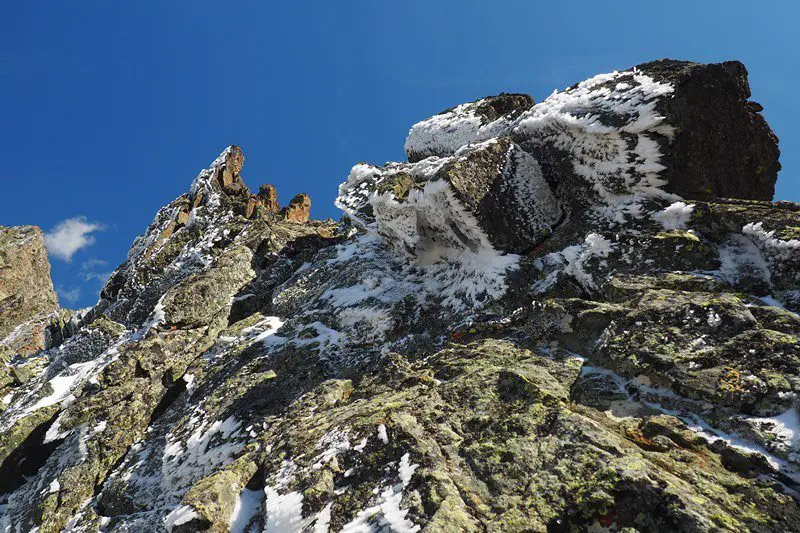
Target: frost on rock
column 782, row 256
column 610, row 130
column 445, row 133
column 742, row 262
column 675, row 216
column 488, row 195
column 415, row 366
column 575, row 262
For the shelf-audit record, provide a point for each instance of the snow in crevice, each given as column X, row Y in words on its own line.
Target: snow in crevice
column 208, row 446
column 248, row 506
column 740, row 257
column 387, row 512
column 61, row 378
column 785, row 427
column 332, row 444
column 180, row 515
column 284, row 512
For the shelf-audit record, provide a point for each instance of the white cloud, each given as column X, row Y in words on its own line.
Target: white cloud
column 69, row 295
column 69, row 236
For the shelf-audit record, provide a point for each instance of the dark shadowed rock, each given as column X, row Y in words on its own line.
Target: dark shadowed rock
column 722, row 147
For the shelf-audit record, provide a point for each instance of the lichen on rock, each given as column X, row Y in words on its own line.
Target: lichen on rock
column 550, row 319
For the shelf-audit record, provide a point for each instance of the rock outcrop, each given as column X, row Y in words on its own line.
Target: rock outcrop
column 549, row 319
column 27, row 298
column 299, row 209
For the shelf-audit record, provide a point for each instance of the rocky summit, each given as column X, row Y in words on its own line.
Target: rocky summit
column 574, row 315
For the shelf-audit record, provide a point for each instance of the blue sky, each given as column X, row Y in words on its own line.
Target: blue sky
column 109, row 109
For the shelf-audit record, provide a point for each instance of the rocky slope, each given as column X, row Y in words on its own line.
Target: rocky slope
column 576, row 315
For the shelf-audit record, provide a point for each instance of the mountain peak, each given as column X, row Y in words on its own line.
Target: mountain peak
column 578, row 314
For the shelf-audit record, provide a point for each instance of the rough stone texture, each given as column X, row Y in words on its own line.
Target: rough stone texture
column 228, row 176
column 299, row 209
column 722, row 145
column 26, row 291
column 493, row 187
column 269, row 197
column 637, row 369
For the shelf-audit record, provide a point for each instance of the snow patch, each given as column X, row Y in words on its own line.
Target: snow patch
column 284, row 513
column 181, row 515
column 382, row 434
column 248, row 505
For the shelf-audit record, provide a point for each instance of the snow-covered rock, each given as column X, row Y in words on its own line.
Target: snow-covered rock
column 547, row 320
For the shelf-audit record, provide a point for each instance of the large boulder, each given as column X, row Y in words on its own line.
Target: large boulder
column 722, row 145
column 490, row 195
column 658, row 128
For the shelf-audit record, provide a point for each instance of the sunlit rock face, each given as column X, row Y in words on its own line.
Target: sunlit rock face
column 553, row 317
column 27, row 298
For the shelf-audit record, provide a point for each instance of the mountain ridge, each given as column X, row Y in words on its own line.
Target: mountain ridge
column 551, row 318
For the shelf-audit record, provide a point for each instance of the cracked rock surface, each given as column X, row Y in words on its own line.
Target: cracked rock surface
column 573, row 315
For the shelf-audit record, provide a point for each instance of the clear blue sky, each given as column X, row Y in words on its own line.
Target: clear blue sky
column 109, row 109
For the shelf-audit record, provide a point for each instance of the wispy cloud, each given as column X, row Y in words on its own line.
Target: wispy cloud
column 88, row 272
column 93, row 263
column 69, row 295
column 99, row 276
column 69, row 236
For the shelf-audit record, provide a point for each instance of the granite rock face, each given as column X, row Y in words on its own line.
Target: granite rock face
column 27, row 298
column 540, row 323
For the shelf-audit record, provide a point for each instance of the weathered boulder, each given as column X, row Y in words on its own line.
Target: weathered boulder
column 682, row 127
column 722, row 145
column 491, row 195
column 451, row 129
